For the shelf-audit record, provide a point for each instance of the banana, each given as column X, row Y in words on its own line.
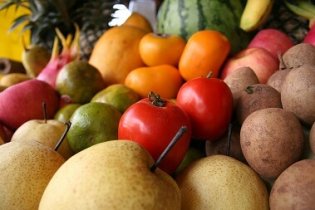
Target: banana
column 255, row 14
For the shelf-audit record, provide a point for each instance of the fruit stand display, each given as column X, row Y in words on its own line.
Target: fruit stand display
column 196, row 105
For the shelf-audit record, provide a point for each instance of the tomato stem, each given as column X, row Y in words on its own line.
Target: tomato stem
column 156, row 99
column 68, row 125
column 175, row 139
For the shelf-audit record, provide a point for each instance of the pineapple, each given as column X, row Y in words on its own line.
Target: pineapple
column 45, row 16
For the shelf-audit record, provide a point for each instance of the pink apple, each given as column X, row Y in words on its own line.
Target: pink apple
column 259, row 59
column 23, row 101
column 273, row 40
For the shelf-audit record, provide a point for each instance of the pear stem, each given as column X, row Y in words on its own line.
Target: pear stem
column 175, row 139
column 68, row 125
column 229, row 138
column 44, row 111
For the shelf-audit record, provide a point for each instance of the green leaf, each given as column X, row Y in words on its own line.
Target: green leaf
column 19, row 20
column 303, row 8
column 6, row 5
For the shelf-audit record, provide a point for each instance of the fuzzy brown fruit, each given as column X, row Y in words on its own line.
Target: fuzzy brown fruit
column 239, row 79
column 298, row 55
column 256, row 97
column 298, row 93
column 271, row 140
column 295, row 187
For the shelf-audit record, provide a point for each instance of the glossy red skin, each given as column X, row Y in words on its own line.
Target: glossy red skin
column 154, row 127
column 209, row 104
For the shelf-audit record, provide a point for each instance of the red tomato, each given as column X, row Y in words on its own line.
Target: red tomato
column 209, row 104
column 153, row 127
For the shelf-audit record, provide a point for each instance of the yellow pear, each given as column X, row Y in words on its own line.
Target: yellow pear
column 221, row 182
column 13, row 78
column 1, row 140
column 111, row 175
column 47, row 132
column 26, row 169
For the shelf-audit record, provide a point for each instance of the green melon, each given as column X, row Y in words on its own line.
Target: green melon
column 185, row 17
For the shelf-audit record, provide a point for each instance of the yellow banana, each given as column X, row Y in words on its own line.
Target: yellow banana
column 255, row 14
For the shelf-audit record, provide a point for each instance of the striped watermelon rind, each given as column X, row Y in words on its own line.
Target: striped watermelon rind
column 185, row 17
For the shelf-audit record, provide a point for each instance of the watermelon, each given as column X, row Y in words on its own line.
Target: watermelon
column 185, row 17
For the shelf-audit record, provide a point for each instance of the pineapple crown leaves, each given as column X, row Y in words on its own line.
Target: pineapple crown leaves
column 95, row 15
column 304, row 8
column 42, row 18
column 39, row 11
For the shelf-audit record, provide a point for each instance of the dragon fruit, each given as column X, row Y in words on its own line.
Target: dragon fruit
column 70, row 52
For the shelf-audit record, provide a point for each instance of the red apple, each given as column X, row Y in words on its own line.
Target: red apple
column 23, row 101
column 273, row 40
column 263, row 63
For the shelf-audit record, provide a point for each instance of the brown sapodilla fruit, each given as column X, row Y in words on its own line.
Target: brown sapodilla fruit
column 271, row 140
column 298, row 93
column 298, row 55
column 295, row 187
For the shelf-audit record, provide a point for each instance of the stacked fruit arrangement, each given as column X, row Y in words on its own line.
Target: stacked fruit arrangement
column 207, row 112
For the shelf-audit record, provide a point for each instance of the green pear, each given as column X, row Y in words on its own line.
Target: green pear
column 26, row 169
column 64, row 113
column 34, row 59
column 47, row 132
column 221, row 182
column 111, row 175
column 118, row 95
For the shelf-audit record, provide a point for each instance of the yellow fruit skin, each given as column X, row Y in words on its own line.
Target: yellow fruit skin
column 116, row 53
column 138, row 20
column 26, row 169
column 255, row 14
column 221, row 182
column 111, row 175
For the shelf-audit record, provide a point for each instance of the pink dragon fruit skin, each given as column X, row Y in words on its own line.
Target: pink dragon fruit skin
column 69, row 53
column 50, row 72
column 310, row 36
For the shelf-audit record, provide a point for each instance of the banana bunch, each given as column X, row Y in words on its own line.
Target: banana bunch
column 255, row 14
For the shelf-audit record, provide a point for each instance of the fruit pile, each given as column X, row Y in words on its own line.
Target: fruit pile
column 209, row 113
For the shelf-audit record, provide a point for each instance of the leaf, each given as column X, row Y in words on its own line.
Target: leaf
column 19, row 20
column 6, row 5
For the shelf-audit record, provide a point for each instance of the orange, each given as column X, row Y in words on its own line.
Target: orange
column 204, row 52
column 164, row 80
column 116, row 53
